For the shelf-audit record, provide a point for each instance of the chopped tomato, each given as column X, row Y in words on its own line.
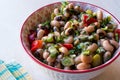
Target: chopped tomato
column 36, row 44
column 87, row 21
column 68, row 46
column 117, row 34
column 91, row 20
column 117, row 31
column 85, row 17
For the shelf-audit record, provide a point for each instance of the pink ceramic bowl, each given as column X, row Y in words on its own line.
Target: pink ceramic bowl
column 42, row 15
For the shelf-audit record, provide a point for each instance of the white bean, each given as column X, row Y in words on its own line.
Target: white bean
column 86, row 59
column 77, row 59
column 66, row 14
column 45, row 54
column 69, row 40
column 55, row 23
column 40, row 33
column 107, row 46
column 114, row 43
column 92, row 47
column 77, row 8
column 97, row 24
column 58, row 65
column 83, row 66
column 68, row 31
column 56, row 11
column 96, row 36
column 56, row 33
column 40, row 51
column 76, row 41
column 70, row 5
column 67, row 68
column 68, row 24
column 100, row 31
column 64, row 50
column 99, row 15
column 89, row 29
column 107, row 56
column 110, row 35
column 50, row 59
column 81, row 24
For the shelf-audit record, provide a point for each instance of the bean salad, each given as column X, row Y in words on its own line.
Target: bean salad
column 74, row 39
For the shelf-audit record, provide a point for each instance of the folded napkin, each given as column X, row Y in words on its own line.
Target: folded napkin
column 13, row 71
column 5, row 74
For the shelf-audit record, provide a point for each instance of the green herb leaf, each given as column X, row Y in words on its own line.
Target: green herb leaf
column 64, row 4
column 59, row 39
column 46, row 23
column 105, row 28
column 117, row 37
column 77, row 33
column 105, row 21
column 72, row 51
column 80, row 46
column 52, row 16
column 50, row 39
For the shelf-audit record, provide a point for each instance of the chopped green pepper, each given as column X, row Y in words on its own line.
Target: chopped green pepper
column 50, row 39
column 105, row 28
column 72, row 51
column 105, row 21
column 83, row 38
column 91, row 38
column 53, row 55
column 117, row 37
column 64, row 4
column 59, row 39
column 86, row 52
column 77, row 33
column 89, row 11
column 67, row 61
column 53, row 51
column 80, row 46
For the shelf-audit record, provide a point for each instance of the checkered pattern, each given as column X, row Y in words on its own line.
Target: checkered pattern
column 13, row 71
column 5, row 74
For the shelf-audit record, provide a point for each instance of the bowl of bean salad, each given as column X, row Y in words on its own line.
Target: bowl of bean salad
column 71, row 40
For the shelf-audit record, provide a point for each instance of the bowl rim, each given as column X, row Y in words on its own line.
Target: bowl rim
column 69, row 71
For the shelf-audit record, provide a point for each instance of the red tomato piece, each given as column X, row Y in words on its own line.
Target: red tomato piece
column 91, row 20
column 88, row 21
column 117, row 31
column 85, row 18
column 68, row 46
column 36, row 44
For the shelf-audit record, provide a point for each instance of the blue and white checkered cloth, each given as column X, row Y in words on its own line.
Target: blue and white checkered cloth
column 13, row 71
